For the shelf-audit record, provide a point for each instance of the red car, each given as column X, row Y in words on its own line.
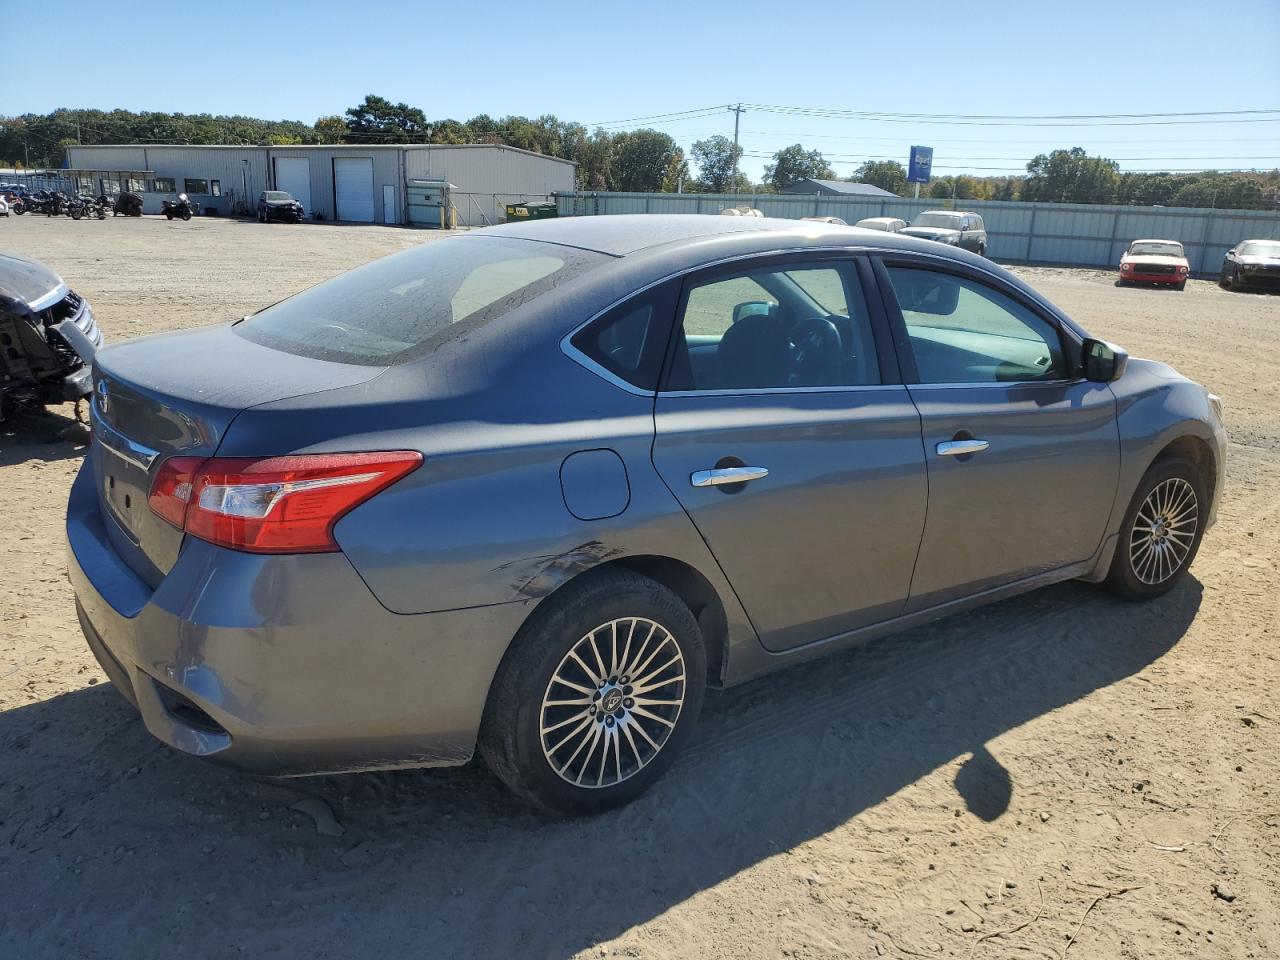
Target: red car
column 1154, row 261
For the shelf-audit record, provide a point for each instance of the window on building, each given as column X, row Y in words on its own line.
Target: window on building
column 215, row 187
column 165, row 185
column 110, row 187
column 135, row 184
column 190, row 186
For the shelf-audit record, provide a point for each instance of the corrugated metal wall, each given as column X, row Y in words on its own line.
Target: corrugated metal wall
column 1052, row 233
column 489, row 177
column 241, row 172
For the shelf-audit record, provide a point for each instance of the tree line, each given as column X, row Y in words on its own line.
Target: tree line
column 641, row 160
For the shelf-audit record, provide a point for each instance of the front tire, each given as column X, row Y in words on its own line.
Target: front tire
column 1161, row 531
column 600, row 690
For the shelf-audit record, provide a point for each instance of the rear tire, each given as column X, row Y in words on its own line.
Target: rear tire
column 982, row 249
column 1161, row 531
column 566, row 726
column 1180, row 286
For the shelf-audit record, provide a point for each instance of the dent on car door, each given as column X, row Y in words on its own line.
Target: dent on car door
column 1023, row 454
column 782, row 431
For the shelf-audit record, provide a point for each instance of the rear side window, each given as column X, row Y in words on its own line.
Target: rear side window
column 788, row 326
column 398, row 308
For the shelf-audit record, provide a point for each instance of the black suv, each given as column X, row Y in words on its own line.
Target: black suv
column 278, row 205
column 951, row 226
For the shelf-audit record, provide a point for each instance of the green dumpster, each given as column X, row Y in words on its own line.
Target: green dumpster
column 531, row 210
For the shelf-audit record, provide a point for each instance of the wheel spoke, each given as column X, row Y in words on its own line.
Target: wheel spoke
column 649, row 659
column 572, row 686
column 626, row 730
column 586, row 761
column 595, row 650
column 650, row 687
column 573, row 733
column 640, row 652
column 642, row 712
column 646, row 702
column 591, row 675
column 564, row 723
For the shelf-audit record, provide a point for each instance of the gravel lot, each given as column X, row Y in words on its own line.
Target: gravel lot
column 1059, row 775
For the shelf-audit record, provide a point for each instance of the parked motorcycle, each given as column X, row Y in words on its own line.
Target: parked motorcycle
column 80, row 207
column 182, row 208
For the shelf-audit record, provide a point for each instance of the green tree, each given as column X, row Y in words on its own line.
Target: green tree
column 641, row 159
column 331, row 129
column 793, row 164
column 716, row 158
column 1222, row 191
column 1071, row 176
column 885, row 174
column 378, row 120
column 677, row 172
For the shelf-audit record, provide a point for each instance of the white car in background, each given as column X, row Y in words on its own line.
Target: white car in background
column 890, row 224
column 1157, row 262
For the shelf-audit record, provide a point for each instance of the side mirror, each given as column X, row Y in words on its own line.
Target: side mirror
column 1103, row 362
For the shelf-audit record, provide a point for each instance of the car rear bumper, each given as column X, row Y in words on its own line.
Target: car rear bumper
column 282, row 665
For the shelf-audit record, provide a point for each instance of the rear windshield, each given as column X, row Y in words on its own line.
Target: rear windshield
column 949, row 220
column 395, row 309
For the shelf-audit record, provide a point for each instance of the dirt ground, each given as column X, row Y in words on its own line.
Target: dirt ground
column 1060, row 775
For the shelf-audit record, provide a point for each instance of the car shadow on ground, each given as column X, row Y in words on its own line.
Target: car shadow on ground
column 109, row 830
column 48, row 435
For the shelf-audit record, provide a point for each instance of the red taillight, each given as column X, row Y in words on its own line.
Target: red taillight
column 272, row 505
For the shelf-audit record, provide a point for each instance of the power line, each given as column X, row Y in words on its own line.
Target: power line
column 1009, row 116
column 937, row 140
column 938, row 120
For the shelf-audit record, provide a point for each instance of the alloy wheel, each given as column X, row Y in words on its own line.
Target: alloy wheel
column 612, row 703
column 1164, row 531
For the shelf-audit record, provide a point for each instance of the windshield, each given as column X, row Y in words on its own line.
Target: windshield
column 1261, row 248
column 951, row 221
column 276, row 196
column 395, row 308
column 1159, row 249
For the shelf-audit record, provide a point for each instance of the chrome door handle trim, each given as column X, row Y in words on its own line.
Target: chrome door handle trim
column 723, row 475
column 958, row 448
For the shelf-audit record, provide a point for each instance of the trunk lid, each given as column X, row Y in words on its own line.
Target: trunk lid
column 177, row 394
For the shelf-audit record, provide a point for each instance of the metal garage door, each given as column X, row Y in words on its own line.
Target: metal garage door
column 353, row 188
column 293, row 175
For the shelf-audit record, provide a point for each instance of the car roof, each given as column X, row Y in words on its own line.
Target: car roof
column 620, row 234
column 1156, row 240
column 881, row 220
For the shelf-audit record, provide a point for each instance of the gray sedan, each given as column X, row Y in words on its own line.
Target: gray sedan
column 533, row 489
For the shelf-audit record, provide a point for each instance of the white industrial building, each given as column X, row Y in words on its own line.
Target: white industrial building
column 361, row 184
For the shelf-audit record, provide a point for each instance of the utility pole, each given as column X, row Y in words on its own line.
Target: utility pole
column 737, row 112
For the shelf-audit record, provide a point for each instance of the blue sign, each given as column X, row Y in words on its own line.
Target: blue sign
column 921, row 167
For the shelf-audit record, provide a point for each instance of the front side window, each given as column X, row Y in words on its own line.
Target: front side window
column 191, row 186
column 400, row 307
column 962, row 331
column 780, row 327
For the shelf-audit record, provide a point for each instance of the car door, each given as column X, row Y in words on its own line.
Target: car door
column 784, row 431
column 1022, row 452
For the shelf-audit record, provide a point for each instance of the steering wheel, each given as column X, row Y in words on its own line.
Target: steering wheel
column 815, row 348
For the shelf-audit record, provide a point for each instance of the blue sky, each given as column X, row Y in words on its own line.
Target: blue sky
column 601, row 62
